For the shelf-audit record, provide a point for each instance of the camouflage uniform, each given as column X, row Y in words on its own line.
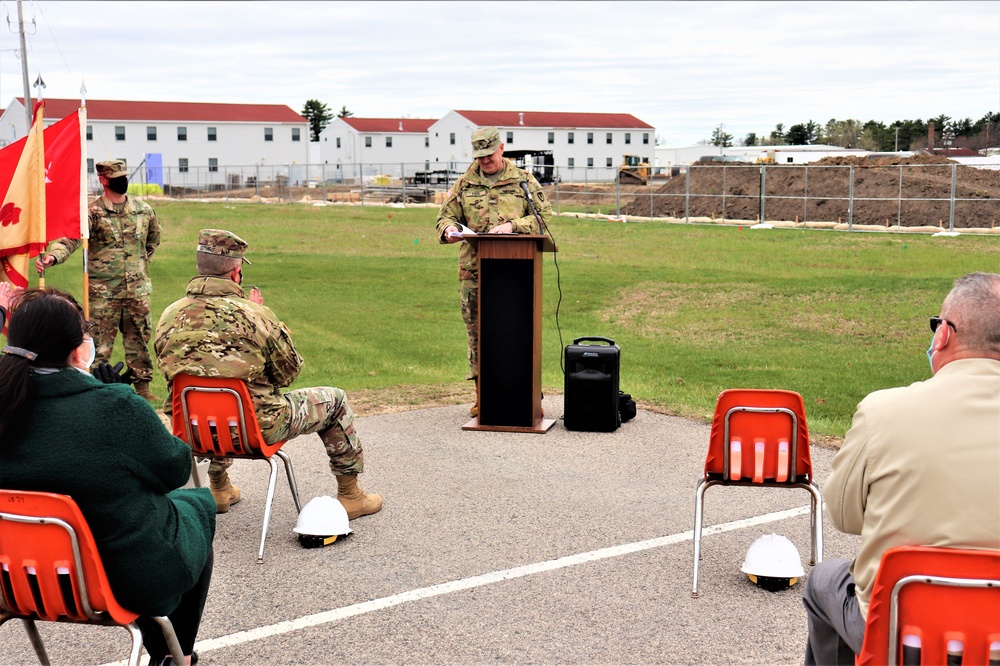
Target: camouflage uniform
column 481, row 203
column 123, row 238
column 215, row 331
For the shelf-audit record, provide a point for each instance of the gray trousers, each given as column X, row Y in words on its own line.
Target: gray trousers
column 836, row 627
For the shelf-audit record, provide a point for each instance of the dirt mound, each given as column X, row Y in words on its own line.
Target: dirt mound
column 893, row 160
column 822, row 192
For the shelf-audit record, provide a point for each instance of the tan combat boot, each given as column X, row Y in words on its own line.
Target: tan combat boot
column 356, row 501
column 224, row 492
column 142, row 389
column 474, row 410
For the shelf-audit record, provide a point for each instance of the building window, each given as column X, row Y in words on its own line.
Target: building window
column 182, row 165
column 608, row 163
column 590, row 137
column 368, row 142
column 296, row 134
column 388, row 142
column 90, row 165
column 182, row 133
column 119, row 132
column 90, row 132
column 570, row 162
column 645, row 138
column 510, row 137
column 213, row 163
column 609, row 137
column 338, row 142
column 552, row 137
column 427, row 142
column 268, row 134
column 628, row 138
column 451, row 138
column 150, row 134
column 569, row 137
column 211, row 134
column 590, row 161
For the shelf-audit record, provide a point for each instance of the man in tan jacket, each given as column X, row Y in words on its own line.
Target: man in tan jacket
column 918, row 467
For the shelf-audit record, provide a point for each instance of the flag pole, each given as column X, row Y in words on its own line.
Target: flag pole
column 84, row 217
column 40, row 84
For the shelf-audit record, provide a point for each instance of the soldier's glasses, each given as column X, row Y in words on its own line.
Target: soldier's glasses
column 937, row 321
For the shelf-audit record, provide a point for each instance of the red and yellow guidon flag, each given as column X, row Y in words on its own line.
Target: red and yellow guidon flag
column 22, row 213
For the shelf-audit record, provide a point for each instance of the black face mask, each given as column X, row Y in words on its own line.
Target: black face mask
column 118, row 185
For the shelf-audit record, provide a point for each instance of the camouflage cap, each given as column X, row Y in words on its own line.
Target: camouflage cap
column 111, row 168
column 485, row 141
column 223, row 243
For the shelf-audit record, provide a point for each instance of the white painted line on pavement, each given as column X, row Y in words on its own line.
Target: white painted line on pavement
column 336, row 614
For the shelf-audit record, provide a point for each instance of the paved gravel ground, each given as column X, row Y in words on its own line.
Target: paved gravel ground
column 499, row 548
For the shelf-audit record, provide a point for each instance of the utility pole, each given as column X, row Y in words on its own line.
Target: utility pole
column 897, row 138
column 24, row 67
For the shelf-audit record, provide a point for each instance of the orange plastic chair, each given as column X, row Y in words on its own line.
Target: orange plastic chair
column 759, row 438
column 201, row 404
column 944, row 600
column 50, row 570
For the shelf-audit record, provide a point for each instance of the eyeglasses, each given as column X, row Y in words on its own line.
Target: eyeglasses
column 89, row 326
column 937, row 321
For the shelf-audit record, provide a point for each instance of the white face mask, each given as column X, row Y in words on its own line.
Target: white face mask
column 90, row 359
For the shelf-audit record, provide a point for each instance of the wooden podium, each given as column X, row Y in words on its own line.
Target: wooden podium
column 510, row 332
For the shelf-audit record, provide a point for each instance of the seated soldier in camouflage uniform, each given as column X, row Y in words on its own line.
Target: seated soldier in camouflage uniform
column 487, row 198
column 217, row 330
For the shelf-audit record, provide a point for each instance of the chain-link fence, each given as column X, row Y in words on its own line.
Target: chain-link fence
column 948, row 196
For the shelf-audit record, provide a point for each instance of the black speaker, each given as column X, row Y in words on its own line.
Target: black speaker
column 590, row 395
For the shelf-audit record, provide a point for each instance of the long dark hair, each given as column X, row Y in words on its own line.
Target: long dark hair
column 47, row 323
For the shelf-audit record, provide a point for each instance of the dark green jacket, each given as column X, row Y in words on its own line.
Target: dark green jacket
column 106, row 448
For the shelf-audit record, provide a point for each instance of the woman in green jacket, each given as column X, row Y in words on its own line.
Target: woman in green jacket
column 63, row 431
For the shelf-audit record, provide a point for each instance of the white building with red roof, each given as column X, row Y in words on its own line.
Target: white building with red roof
column 576, row 146
column 583, row 146
column 350, row 147
column 189, row 141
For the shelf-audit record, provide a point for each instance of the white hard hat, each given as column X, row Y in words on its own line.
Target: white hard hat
column 321, row 521
column 772, row 562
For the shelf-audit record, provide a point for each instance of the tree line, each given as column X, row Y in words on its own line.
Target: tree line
column 877, row 136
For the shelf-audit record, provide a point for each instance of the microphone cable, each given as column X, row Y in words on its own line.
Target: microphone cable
column 555, row 260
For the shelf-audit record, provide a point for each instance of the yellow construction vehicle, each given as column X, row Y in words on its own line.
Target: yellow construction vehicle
column 635, row 170
column 768, row 158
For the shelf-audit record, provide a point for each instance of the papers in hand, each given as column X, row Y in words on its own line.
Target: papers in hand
column 462, row 229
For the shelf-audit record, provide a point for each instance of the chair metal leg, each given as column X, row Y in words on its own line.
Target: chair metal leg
column 194, row 471
column 271, row 482
column 36, row 640
column 170, row 636
column 699, row 502
column 816, row 524
column 133, row 630
column 290, row 473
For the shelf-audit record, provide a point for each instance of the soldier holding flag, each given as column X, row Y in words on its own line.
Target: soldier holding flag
column 124, row 234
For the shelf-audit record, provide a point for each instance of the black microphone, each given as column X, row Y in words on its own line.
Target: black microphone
column 527, row 192
column 531, row 205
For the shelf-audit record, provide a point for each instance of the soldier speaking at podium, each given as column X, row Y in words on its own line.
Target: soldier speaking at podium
column 487, row 198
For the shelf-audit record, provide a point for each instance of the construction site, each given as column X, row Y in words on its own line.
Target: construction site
column 916, row 192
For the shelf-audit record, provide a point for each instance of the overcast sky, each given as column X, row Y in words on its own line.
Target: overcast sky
column 683, row 67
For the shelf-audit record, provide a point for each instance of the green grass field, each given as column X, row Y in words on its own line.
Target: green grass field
column 371, row 299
